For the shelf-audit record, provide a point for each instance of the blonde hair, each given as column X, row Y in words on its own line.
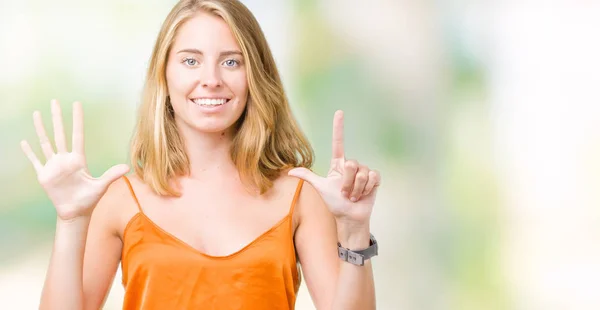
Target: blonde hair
column 268, row 139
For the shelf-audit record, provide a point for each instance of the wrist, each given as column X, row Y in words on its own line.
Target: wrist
column 73, row 221
column 71, row 234
column 354, row 236
column 72, row 228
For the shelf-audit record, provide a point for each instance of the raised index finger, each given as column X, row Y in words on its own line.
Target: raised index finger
column 337, row 151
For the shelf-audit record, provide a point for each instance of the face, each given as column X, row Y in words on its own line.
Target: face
column 206, row 75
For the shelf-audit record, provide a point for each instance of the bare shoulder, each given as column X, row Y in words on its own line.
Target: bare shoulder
column 138, row 185
column 142, row 190
column 309, row 203
column 308, row 194
column 287, row 185
column 115, row 206
column 314, row 239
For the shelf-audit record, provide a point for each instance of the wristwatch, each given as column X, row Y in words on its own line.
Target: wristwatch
column 358, row 257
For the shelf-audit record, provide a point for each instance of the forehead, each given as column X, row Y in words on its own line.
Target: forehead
column 205, row 31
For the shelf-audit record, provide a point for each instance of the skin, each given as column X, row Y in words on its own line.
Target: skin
column 92, row 212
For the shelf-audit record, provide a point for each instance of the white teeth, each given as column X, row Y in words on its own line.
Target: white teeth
column 209, row 102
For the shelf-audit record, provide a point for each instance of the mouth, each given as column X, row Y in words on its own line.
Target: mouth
column 210, row 102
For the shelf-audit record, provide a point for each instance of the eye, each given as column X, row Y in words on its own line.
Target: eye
column 190, row 62
column 231, row 63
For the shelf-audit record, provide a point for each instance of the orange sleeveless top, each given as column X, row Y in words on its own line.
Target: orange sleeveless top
column 162, row 272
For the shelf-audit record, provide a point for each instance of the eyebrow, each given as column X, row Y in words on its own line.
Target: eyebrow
column 196, row 51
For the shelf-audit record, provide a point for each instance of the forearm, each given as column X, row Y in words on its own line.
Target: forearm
column 63, row 288
column 355, row 286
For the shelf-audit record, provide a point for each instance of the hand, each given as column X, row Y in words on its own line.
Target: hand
column 350, row 188
column 65, row 176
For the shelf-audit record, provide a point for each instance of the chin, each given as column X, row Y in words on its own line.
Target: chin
column 211, row 127
column 213, row 123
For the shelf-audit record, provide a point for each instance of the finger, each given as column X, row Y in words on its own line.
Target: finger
column 41, row 133
column 113, row 174
column 307, row 176
column 78, row 136
column 57, row 122
column 337, row 150
column 373, row 182
column 350, row 169
column 360, row 181
column 37, row 165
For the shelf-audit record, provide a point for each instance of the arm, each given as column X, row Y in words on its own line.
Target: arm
column 332, row 283
column 337, row 208
column 85, row 257
column 66, row 266
column 356, row 287
column 103, row 246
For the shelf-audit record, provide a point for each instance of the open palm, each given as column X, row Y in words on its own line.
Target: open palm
column 65, row 176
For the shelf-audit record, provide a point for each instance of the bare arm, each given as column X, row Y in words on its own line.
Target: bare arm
column 64, row 276
column 332, row 283
column 85, row 257
column 356, row 288
column 103, row 246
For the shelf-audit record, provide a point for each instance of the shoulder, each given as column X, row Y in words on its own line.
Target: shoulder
column 138, row 186
column 289, row 185
column 309, row 204
column 114, row 206
column 308, row 195
column 117, row 193
column 314, row 239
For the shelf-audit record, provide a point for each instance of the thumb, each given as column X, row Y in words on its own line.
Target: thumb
column 306, row 175
column 114, row 173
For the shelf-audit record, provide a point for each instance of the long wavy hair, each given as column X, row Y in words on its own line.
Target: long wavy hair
column 267, row 140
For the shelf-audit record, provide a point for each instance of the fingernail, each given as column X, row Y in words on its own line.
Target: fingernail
column 353, row 199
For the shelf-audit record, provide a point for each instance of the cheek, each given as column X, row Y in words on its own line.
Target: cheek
column 178, row 81
column 238, row 84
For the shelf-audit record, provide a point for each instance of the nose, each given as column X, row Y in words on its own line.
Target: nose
column 210, row 77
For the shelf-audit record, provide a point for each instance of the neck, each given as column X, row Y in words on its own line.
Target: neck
column 208, row 153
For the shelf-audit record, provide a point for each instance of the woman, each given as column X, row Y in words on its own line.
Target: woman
column 217, row 214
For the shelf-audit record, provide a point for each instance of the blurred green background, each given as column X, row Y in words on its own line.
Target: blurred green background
column 482, row 119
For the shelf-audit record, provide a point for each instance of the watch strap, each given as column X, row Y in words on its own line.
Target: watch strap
column 358, row 257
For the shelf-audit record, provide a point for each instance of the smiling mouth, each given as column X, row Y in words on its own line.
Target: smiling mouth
column 210, row 102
